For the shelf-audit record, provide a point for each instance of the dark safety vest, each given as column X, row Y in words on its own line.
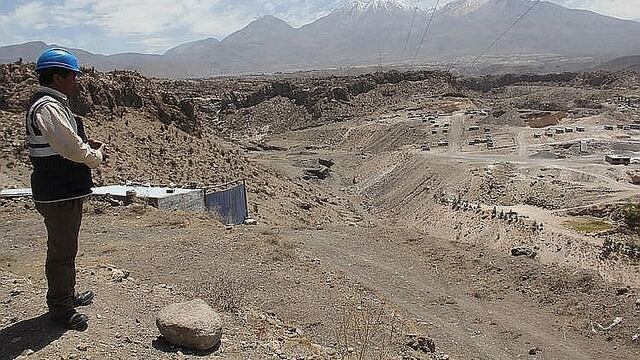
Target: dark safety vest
column 55, row 178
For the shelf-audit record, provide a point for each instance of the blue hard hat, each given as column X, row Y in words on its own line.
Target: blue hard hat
column 60, row 58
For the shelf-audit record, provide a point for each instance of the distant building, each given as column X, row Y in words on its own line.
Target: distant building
column 618, row 160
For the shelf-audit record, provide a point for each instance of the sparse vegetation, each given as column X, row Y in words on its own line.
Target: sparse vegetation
column 368, row 332
column 632, row 216
column 589, row 226
column 223, row 292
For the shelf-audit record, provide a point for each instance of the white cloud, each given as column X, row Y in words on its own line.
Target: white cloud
column 157, row 43
column 155, row 25
column 33, row 14
column 626, row 9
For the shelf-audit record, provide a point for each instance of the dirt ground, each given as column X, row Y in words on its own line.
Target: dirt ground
column 400, row 242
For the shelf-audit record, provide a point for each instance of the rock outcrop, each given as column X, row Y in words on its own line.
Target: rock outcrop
column 193, row 325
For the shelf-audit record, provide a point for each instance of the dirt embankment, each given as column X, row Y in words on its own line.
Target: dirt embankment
column 443, row 198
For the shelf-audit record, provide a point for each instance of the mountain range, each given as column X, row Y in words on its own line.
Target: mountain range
column 380, row 31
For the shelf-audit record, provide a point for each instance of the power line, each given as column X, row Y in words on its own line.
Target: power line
column 502, row 35
column 485, row 51
column 426, row 29
column 413, row 19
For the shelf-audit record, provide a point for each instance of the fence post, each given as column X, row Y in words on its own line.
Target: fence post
column 246, row 201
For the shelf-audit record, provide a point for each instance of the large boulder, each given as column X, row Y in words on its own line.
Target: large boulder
column 192, row 324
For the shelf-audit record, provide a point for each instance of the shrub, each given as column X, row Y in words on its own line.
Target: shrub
column 632, row 216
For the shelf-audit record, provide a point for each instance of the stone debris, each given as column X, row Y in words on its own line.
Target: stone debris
column 326, row 163
column 317, row 173
column 27, row 352
column 524, row 252
column 118, row 275
column 193, row 325
column 420, row 343
column 251, row 222
column 622, row 291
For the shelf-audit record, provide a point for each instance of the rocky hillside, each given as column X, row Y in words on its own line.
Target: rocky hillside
column 154, row 135
column 623, row 63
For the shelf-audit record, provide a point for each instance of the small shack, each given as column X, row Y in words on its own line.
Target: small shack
column 618, row 160
column 228, row 202
column 165, row 198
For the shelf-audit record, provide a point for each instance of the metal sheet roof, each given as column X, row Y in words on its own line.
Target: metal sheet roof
column 115, row 190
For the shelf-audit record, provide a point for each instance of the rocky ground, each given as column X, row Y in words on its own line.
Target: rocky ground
column 366, row 246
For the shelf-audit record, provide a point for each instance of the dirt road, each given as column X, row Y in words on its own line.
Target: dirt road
column 474, row 302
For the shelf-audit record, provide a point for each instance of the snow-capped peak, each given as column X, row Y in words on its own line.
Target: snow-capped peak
column 365, row 6
column 464, row 7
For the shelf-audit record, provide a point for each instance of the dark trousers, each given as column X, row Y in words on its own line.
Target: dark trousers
column 62, row 220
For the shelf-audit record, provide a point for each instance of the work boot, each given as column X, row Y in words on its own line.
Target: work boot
column 71, row 320
column 83, row 298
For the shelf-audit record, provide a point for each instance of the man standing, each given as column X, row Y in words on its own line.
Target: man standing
column 62, row 159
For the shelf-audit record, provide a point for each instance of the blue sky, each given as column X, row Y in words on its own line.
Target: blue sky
column 112, row 26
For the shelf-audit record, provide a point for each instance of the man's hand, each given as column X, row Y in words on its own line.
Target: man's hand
column 100, row 146
column 105, row 152
column 95, row 145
